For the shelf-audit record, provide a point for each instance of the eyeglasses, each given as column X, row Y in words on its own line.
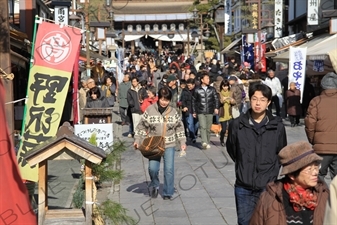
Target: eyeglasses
column 262, row 100
column 312, row 168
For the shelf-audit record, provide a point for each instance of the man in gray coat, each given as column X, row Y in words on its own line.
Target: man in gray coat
column 123, row 88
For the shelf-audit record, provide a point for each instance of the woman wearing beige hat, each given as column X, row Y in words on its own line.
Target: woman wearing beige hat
column 298, row 198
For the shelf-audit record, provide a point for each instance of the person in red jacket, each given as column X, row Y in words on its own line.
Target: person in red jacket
column 152, row 98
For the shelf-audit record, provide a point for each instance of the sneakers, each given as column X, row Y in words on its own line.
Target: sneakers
column 205, row 146
column 129, row 135
column 194, row 140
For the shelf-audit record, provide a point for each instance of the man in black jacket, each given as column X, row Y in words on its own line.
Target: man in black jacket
column 254, row 141
column 204, row 104
column 190, row 123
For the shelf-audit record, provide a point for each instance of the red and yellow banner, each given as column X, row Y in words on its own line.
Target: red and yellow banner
column 55, row 53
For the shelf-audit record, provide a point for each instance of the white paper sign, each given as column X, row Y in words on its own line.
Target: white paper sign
column 312, row 12
column 61, row 14
column 228, row 17
column 104, row 133
column 278, row 18
column 297, row 65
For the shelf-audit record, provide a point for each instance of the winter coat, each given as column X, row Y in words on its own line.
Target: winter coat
column 97, row 103
column 270, row 209
column 186, row 100
column 205, row 101
column 147, row 102
column 236, row 90
column 331, row 206
column 255, row 152
column 321, row 122
column 152, row 124
column 133, row 99
column 123, row 88
column 110, row 93
column 226, row 104
column 293, row 98
column 175, row 95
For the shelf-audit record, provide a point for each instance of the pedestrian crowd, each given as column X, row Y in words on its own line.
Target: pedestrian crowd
column 276, row 182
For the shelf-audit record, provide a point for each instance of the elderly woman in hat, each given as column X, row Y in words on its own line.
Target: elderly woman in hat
column 298, row 198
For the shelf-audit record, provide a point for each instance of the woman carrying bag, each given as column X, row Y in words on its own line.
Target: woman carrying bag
column 225, row 114
column 160, row 119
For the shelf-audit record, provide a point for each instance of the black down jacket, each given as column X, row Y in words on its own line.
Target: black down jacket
column 205, row 101
column 255, row 152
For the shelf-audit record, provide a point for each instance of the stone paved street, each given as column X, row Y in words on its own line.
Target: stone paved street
column 204, row 182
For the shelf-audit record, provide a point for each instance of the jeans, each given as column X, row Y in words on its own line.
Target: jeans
column 192, row 124
column 329, row 161
column 205, row 122
column 276, row 101
column 245, row 201
column 154, row 166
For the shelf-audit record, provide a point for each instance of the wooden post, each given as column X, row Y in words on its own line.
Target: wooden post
column 5, row 64
column 43, row 191
column 88, row 193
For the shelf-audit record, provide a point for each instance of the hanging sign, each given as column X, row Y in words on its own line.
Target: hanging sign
column 55, row 53
column 297, row 66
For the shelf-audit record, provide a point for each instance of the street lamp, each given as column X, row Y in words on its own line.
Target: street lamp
column 108, row 4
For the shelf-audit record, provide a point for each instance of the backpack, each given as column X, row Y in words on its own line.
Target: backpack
column 243, row 93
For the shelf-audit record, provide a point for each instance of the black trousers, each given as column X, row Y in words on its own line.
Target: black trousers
column 276, row 101
column 123, row 114
column 329, row 161
column 224, row 125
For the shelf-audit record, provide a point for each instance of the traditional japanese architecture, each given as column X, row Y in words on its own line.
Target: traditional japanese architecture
column 64, row 146
column 152, row 24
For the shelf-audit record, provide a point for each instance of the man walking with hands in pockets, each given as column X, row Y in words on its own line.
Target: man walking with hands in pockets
column 204, row 104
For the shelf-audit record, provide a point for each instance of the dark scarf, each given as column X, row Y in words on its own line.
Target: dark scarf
column 160, row 108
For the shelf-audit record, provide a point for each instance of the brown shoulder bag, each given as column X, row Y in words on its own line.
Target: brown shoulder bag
column 154, row 147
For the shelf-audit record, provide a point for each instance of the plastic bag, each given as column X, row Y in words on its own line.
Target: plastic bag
column 244, row 107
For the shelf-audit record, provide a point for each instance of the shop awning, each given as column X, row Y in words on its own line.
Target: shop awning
column 231, row 45
column 321, row 50
column 177, row 37
column 132, row 37
column 284, row 56
column 285, row 48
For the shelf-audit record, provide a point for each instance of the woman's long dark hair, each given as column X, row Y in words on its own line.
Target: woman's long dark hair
column 223, row 84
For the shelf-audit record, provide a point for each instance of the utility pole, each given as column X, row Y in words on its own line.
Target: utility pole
column 87, row 28
column 5, row 63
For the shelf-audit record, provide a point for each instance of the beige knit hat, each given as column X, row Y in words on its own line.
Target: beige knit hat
column 297, row 156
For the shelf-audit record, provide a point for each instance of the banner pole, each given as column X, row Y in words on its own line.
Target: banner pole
column 31, row 65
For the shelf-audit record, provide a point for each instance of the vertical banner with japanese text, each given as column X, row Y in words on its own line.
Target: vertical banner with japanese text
column 228, row 17
column 278, row 18
column 297, row 65
column 55, row 52
column 312, row 12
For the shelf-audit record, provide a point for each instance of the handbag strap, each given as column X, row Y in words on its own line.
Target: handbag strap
column 165, row 122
